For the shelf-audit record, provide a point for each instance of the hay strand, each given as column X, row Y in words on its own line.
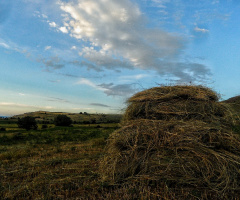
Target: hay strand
column 177, row 138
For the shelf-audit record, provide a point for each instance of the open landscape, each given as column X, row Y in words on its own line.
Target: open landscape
column 56, row 162
column 119, row 99
column 52, row 162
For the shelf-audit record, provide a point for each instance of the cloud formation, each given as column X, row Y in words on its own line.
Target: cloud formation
column 52, row 63
column 52, row 24
column 63, row 29
column 4, row 45
column 124, row 90
column 47, row 48
column 84, row 81
column 111, row 89
column 54, row 99
column 99, row 105
column 119, row 38
column 202, row 30
column 133, row 77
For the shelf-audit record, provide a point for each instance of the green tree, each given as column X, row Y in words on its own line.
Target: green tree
column 27, row 123
column 62, row 120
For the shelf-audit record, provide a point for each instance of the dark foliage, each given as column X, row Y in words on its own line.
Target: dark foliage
column 44, row 126
column 62, row 120
column 27, row 123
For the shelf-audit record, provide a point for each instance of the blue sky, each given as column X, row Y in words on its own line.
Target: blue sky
column 91, row 55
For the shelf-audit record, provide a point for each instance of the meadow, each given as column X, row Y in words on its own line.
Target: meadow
column 52, row 162
column 64, row 162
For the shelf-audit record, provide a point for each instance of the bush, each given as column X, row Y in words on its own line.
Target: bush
column 44, row 126
column 62, row 120
column 27, row 123
column 2, row 129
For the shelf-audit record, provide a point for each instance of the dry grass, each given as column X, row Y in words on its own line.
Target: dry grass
column 177, row 142
column 166, row 93
column 178, row 103
column 47, row 171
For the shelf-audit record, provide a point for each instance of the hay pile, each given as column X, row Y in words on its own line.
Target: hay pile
column 177, row 141
column 177, row 103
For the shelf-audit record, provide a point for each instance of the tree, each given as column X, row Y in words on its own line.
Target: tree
column 27, row 123
column 62, row 120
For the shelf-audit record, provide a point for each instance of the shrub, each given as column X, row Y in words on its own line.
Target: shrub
column 2, row 129
column 62, row 120
column 27, row 123
column 44, row 126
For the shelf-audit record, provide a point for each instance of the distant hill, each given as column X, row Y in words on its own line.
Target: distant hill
column 234, row 105
column 48, row 117
column 235, row 100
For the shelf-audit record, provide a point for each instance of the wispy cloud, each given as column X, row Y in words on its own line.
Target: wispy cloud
column 160, row 3
column 133, row 77
column 202, row 30
column 111, row 89
column 52, row 63
column 119, row 38
column 84, row 81
column 4, row 45
column 124, row 90
column 47, row 48
column 24, row 105
column 63, row 29
column 99, row 105
column 52, row 24
column 58, row 100
column 69, row 75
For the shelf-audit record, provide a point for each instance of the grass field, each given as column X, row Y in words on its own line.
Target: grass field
column 58, row 163
column 52, row 163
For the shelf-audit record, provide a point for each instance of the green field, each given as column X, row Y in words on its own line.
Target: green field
column 52, row 163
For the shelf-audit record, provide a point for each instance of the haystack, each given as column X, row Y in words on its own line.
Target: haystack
column 174, row 143
column 177, row 103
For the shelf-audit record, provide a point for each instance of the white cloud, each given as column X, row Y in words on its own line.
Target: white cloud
column 73, row 47
column 47, row 48
column 63, row 29
column 52, row 24
column 6, row 46
column 202, row 30
column 44, row 16
column 134, row 77
column 119, row 38
column 111, row 89
column 116, row 27
column 160, row 3
column 87, row 82
column 12, row 46
column 104, row 59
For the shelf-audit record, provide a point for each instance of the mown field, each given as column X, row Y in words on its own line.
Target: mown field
column 58, row 163
column 52, row 163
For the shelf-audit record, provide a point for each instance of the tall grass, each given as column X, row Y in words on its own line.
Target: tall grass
column 54, row 163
